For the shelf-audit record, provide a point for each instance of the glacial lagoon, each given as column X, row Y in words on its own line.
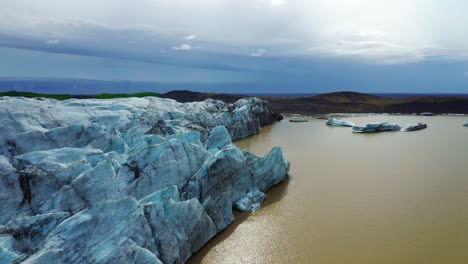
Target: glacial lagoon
column 391, row 197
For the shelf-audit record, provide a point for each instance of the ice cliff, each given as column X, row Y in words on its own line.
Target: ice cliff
column 138, row 180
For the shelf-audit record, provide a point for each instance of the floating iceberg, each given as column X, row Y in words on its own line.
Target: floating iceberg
column 135, row 180
column 381, row 127
column 377, row 127
column 426, row 114
column 418, row 126
column 298, row 120
column 337, row 122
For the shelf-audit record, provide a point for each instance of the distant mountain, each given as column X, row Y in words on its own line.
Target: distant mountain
column 185, row 96
column 346, row 102
column 337, row 102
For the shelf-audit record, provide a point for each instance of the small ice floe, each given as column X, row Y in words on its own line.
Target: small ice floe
column 418, row 126
column 298, row 120
column 426, row 114
column 337, row 122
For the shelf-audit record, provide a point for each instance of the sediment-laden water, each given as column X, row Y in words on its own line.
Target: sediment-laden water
column 393, row 197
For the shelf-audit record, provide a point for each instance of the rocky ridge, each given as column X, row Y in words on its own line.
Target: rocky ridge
column 135, row 180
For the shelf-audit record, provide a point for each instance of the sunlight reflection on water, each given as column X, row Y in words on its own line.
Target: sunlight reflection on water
column 392, row 197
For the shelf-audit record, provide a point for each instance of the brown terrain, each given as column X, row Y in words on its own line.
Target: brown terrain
column 342, row 102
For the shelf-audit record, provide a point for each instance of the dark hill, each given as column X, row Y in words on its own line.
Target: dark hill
column 338, row 102
column 342, row 102
column 185, row 96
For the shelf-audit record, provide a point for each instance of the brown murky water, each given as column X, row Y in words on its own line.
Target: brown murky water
column 392, row 197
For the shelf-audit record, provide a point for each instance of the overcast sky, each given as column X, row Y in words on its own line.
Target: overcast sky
column 261, row 45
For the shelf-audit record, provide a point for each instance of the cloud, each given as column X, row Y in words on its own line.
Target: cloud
column 277, row 2
column 183, row 47
column 258, row 53
column 375, row 50
column 190, row 37
column 53, row 41
column 376, row 31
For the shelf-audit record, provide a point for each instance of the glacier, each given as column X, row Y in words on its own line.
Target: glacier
column 133, row 180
